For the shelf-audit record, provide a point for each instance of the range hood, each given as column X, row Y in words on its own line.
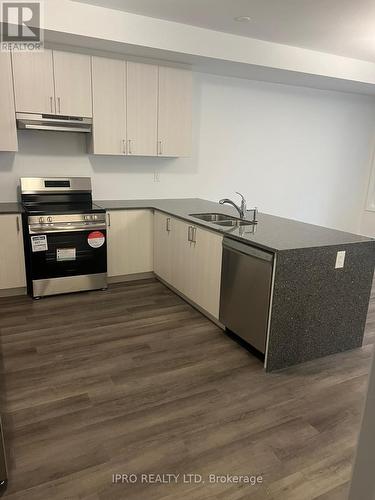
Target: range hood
column 31, row 121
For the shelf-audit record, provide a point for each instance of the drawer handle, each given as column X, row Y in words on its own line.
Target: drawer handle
column 193, row 234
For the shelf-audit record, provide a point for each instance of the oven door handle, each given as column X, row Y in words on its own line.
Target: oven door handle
column 65, row 229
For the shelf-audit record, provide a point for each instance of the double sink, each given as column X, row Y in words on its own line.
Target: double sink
column 223, row 220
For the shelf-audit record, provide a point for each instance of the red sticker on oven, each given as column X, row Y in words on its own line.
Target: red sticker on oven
column 96, row 239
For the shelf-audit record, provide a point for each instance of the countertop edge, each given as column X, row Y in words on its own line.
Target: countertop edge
column 12, row 208
column 153, row 204
column 8, row 208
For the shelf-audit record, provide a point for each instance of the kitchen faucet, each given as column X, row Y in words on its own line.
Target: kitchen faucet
column 242, row 208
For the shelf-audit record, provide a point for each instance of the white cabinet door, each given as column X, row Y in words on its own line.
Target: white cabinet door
column 8, row 131
column 142, row 108
column 206, row 270
column 181, row 257
column 72, row 83
column 109, row 106
column 33, row 82
column 130, row 242
column 195, row 265
column 12, row 261
column 175, row 112
column 163, row 239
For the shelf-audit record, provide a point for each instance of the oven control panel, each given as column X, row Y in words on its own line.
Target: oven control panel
column 66, row 222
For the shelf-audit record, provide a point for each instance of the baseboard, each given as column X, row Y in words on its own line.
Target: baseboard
column 130, row 277
column 193, row 304
column 11, row 292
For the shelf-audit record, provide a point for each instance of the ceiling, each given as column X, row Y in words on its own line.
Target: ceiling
column 342, row 27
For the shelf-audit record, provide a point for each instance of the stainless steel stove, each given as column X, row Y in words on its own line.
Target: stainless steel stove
column 65, row 236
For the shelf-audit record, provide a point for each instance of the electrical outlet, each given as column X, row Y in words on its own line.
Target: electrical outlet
column 340, row 259
column 156, row 176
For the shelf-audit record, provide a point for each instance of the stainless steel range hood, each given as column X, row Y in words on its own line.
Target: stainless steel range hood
column 31, row 121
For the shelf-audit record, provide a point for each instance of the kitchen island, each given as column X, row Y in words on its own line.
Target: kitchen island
column 316, row 307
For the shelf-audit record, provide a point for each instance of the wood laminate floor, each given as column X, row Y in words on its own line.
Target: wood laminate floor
column 135, row 381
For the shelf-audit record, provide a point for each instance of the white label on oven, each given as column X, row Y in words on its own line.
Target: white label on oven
column 39, row 243
column 96, row 239
column 64, row 254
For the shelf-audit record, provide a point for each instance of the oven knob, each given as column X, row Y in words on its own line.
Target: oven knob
column 49, row 219
column 86, row 217
column 41, row 220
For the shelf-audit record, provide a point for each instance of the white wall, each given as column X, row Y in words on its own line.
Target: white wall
column 292, row 151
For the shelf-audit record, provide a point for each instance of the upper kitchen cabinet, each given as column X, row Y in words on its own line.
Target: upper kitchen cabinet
column 72, row 84
column 109, row 106
column 8, row 132
column 142, row 109
column 53, row 82
column 175, row 112
column 34, row 90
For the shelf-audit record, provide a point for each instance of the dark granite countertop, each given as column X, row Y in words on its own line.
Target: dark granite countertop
column 11, row 208
column 271, row 233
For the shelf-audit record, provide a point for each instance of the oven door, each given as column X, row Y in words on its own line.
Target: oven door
column 76, row 260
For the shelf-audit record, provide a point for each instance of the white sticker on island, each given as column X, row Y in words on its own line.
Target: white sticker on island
column 340, row 259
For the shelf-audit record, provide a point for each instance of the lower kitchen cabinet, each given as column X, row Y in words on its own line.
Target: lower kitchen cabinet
column 12, row 260
column 130, row 242
column 163, row 235
column 182, row 259
column 189, row 259
column 206, row 255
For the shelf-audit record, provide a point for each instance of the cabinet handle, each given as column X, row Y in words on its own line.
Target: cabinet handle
column 18, row 224
column 109, row 219
column 160, row 148
column 129, row 146
column 59, row 104
column 51, row 104
column 124, row 146
column 189, row 233
column 168, row 224
column 194, row 234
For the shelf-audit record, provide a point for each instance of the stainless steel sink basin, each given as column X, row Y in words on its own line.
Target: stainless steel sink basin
column 210, row 217
column 222, row 220
column 234, row 223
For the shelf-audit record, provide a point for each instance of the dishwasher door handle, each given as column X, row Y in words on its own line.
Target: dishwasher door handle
column 247, row 249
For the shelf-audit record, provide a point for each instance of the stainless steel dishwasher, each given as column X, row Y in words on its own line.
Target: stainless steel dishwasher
column 245, row 295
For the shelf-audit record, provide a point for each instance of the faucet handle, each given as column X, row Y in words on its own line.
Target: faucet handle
column 242, row 196
column 243, row 205
column 255, row 213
